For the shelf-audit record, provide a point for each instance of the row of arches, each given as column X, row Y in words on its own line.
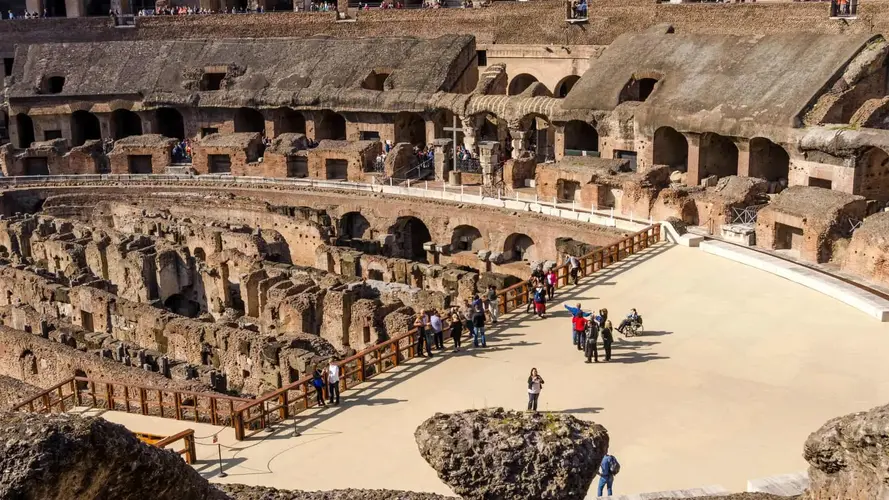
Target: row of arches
column 521, row 82
column 410, row 234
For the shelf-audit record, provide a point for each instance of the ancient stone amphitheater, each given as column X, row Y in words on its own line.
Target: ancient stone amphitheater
column 197, row 211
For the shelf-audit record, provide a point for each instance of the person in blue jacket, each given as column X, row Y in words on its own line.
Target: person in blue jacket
column 574, row 312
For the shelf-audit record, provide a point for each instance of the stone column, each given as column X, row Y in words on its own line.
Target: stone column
column 743, row 146
column 489, row 158
column 694, row 159
column 444, row 158
column 469, row 132
column 519, row 141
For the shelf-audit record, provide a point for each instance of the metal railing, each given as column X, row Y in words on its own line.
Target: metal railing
column 216, row 409
column 188, row 452
column 746, row 215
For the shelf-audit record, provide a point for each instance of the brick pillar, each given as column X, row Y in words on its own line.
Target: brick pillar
column 444, row 158
column 694, row 159
column 489, row 158
column 743, row 146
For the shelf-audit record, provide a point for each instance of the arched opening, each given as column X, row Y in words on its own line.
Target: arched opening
column 565, row 86
column 518, row 247
column 466, row 239
column 81, row 384
column 98, row 7
column 249, row 120
column 52, row 85
column 874, row 175
column 670, row 148
column 178, row 304
column 27, row 364
column 520, row 83
column 353, row 225
column 538, row 136
column 768, row 160
column 170, row 123
column 84, row 127
column 375, row 80
column 200, row 255
column 290, row 122
column 56, row 8
column 409, row 236
column 637, row 90
column 580, row 136
column 330, row 126
column 125, row 123
column 25, row 127
column 719, row 156
column 410, row 128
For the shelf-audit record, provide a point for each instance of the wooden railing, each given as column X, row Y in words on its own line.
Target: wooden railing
column 256, row 414
column 300, row 395
column 518, row 295
column 210, row 407
column 188, row 452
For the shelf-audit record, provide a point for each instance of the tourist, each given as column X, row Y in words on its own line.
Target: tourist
column 493, row 303
column 420, row 325
column 318, row 383
column 333, row 382
column 551, row 279
column 540, row 301
column 573, row 268
column 607, row 339
column 631, row 318
column 535, row 384
column 467, row 319
column 532, row 285
column 456, row 329
column 579, row 325
column 576, row 311
column 590, row 350
column 478, row 322
column 436, row 326
column 607, row 470
column 603, row 313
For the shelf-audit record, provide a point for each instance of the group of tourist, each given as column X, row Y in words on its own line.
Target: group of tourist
column 185, row 11
column 542, row 285
column 328, row 378
column 182, row 152
column 473, row 316
column 578, row 9
column 585, row 332
column 27, row 15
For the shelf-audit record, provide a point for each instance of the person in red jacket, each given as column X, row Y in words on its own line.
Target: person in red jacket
column 579, row 323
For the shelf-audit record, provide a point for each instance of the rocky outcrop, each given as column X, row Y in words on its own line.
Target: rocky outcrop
column 242, row 492
column 849, row 457
column 499, row 454
column 65, row 457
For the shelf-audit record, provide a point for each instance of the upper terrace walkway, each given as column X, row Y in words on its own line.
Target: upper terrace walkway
column 738, row 368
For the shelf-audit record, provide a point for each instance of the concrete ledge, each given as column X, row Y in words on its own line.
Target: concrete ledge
column 785, row 485
column 862, row 300
column 673, row 236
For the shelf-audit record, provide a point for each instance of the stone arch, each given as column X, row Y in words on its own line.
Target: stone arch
column 25, row 127
column 768, row 160
column 487, row 126
column 181, row 305
column 56, row 8
column 670, row 148
column 125, row 123
column 330, row 125
column 200, row 254
column 410, row 128
column 98, row 7
column 719, row 156
column 520, row 83
column 565, row 85
column 170, row 123
column 84, row 127
column 409, row 235
column 290, row 122
column 581, row 136
column 539, row 135
column 249, row 120
column 637, row 89
column 519, row 246
column 466, row 238
column 873, row 175
column 354, row 225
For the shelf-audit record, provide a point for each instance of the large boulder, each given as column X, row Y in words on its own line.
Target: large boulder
column 63, row 457
column 849, row 457
column 498, row 454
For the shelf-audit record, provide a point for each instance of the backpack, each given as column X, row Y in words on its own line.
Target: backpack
column 614, row 466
